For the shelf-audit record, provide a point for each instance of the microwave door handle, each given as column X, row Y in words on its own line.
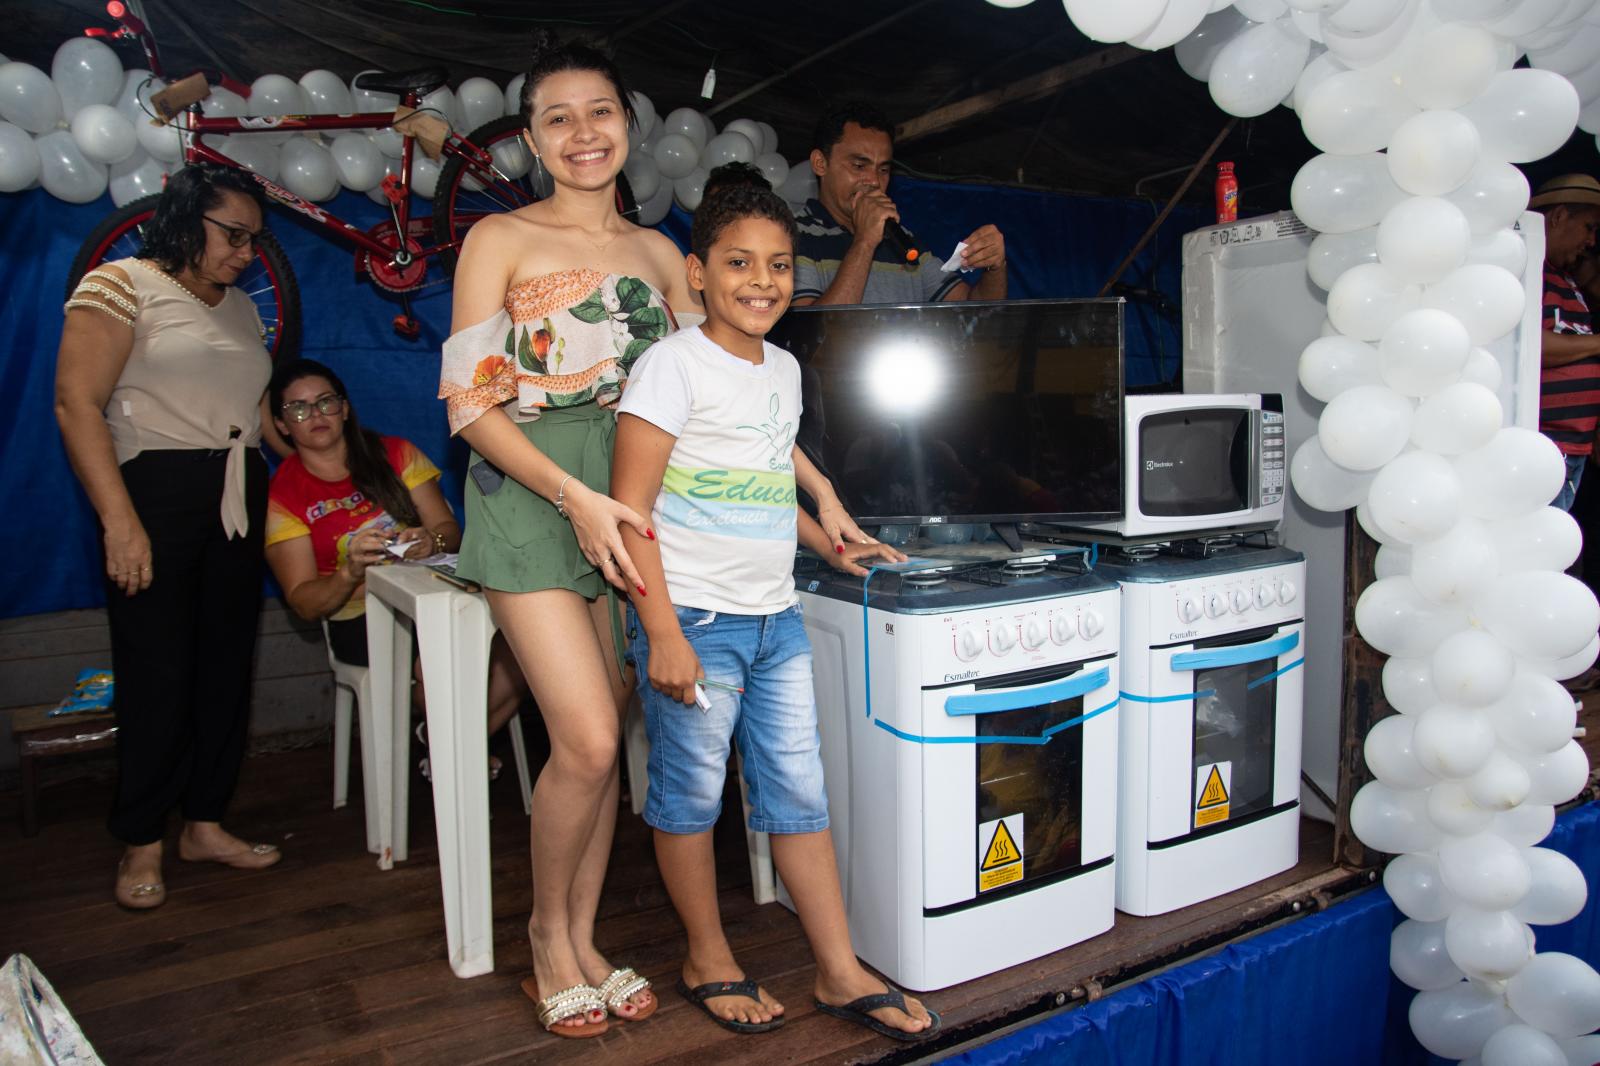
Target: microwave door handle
column 1237, row 655
column 1012, row 699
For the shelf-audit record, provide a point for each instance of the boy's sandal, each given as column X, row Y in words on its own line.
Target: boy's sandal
column 746, row 988
column 622, row 984
column 568, row 1003
column 856, row 1011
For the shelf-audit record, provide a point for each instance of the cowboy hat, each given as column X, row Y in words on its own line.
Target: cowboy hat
column 1568, row 189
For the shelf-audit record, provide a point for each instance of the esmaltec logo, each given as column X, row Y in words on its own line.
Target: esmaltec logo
column 968, row 676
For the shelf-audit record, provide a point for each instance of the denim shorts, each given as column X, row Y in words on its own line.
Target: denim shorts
column 774, row 724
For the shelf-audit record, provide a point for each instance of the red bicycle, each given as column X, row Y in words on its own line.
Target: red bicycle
column 486, row 172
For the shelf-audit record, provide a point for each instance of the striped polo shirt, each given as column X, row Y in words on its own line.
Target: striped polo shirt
column 822, row 248
column 1569, row 396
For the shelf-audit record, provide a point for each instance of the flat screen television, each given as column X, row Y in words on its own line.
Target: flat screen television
column 969, row 412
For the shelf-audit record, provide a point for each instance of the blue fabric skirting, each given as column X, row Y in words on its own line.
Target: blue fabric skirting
column 1314, row 991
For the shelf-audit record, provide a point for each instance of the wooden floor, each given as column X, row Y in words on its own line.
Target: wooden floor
column 326, row 959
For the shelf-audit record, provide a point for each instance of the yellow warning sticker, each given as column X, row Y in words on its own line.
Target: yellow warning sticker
column 1212, row 783
column 1000, row 852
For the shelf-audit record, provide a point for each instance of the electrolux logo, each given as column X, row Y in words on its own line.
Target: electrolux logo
column 968, row 676
column 1158, row 464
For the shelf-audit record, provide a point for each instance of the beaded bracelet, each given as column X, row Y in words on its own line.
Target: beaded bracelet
column 561, row 497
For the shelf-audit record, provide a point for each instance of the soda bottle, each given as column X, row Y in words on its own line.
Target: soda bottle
column 1227, row 194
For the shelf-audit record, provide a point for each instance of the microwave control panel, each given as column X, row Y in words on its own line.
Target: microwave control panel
column 1273, row 467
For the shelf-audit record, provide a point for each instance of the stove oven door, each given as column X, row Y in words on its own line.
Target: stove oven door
column 1019, row 782
column 1224, row 731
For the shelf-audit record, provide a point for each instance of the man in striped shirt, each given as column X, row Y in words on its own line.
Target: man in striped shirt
column 1569, row 393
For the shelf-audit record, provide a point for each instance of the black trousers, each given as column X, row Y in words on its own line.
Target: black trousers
column 182, row 649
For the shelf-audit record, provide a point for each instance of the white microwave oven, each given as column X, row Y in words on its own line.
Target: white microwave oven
column 1197, row 463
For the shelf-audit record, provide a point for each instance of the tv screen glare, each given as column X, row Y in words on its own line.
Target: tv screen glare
column 966, row 411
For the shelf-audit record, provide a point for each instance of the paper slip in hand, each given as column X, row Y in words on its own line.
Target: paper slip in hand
column 399, row 550
column 954, row 262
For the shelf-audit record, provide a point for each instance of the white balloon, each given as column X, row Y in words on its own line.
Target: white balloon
column 1535, row 717
column 1113, row 23
column 1371, row 528
column 1353, row 111
column 1322, row 483
column 1418, row 957
column 727, row 147
column 1392, row 821
column 686, row 122
column 1367, row 299
column 1452, row 742
column 751, row 132
column 326, row 93
column 309, row 170
column 655, row 209
column 1364, row 427
column 1584, row 1051
column 1450, row 65
column 1490, row 945
column 1493, row 197
column 1253, row 72
column 773, row 167
column 137, row 177
column 1362, row 18
column 1483, row 369
column 1451, row 808
column 644, row 177
column 1408, row 684
column 1557, row 993
column 254, row 153
column 1331, row 254
column 1558, row 892
column 1522, row 1045
column 1539, row 613
column 1558, row 776
column 360, row 164
column 1262, row 10
column 1196, row 52
column 1567, row 666
column 1455, row 1022
column 1487, row 299
column 28, row 98
column 19, row 159
column 65, row 172
column 513, row 98
column 1457, row 419
column 1413, row 883
column 85, row 71
column 676, row 154
column 1484, row 870
column 1544, row 539
column 1319, row 69
column 1342, row 194
column 274, row 94
column 1503, row 248
column 1416, row 496
column 1525, row 825
column 444, row 104
column 688, row 189
column 799, row 186
column 769, row 137
column 1393, row 617
column 1432, row 153
column 644, row 112
column 1330, row 365
column 1524, row 115
column 1179, row 19
column 1390, row 757
column 1518, row 471
column 1500, row 784
column 1525, row 18
column 1456, row 568
column 425, row 176
column 225, row 103
column 1472, row 669
column 1378, row 51
column 479, row 102
column 1423, row 351
column 104, row 134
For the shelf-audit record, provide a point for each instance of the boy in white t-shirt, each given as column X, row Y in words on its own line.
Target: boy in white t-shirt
column 706, row 442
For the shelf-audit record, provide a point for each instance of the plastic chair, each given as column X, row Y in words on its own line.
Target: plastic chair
column 353, row 692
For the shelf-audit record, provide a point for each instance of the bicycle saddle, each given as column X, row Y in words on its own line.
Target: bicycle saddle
column 422, row 81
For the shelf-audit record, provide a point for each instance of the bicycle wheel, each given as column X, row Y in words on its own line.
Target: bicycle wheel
column 268, row 281
column 468, row 190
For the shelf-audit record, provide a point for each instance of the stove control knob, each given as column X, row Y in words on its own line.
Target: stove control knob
column 1189, row 609
column 1240, row 601
column 969, row 645
column 1287, row 591
column 1266, row 595
column 1003, row 638
column 1062, row 629
column 1216, row 605
column 1033, row 633
column 1091, row 624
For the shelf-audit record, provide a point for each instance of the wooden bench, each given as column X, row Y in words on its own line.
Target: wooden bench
column 39, row 736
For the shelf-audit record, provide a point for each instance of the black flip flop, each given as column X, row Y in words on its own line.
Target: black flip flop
column 856, row 1011
column 746, row 988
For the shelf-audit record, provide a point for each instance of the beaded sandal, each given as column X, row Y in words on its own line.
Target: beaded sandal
column 569, row 1003
column 619, row 987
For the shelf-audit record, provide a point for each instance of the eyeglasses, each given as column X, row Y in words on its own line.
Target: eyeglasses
column 238, row 236
column 299, row 410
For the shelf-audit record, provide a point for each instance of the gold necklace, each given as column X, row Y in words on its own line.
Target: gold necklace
column 596, row 245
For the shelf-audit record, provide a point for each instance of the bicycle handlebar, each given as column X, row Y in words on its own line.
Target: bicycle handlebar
column 132, row 26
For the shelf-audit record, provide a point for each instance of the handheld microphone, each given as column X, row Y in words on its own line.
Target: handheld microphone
column 901, row 239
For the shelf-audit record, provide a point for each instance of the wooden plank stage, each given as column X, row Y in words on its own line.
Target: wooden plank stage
column 327, row 959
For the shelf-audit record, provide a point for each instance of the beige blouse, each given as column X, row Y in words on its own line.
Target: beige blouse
column 194, row 378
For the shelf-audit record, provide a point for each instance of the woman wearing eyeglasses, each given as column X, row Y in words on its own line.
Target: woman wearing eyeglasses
column 338, row 502
column 160, row 384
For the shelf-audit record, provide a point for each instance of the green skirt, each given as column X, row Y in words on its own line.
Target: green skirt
column 515, row 541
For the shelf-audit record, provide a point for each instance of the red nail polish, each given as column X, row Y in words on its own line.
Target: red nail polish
column 642, row 592
column 839, row 548
column 650, row 533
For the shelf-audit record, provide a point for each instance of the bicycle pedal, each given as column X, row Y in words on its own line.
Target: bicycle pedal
column 391, row 188
column 407, row 327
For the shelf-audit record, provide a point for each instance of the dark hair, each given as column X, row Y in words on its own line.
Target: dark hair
column 176, row 236
column 366, row 456
column 552, row 56
column 829, row 129
column 732, row 194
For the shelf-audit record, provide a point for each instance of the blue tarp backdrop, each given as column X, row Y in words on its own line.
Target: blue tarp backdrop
column 1315, row 992
column 1058, row 246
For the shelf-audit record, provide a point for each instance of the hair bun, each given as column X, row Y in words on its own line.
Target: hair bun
column 544, row 41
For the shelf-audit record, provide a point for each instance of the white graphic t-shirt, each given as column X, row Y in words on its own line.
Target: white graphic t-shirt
column 725, row 516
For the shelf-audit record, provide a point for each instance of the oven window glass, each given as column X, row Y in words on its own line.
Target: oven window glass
column 1194, row 462
column 1235, row 723
column 1041, row 782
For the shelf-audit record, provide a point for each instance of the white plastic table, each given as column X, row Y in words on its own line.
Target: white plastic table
column 453, row 630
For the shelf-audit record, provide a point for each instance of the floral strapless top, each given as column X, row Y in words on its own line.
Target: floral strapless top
column 563, row 339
